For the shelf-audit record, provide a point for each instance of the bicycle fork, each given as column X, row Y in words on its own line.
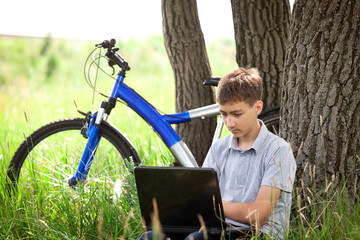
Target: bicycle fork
column 88, row 155
column 93, row 136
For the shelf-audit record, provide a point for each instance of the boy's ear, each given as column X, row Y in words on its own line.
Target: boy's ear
column 258, row 106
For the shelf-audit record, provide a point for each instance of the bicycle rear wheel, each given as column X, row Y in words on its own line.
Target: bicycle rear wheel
column 271, row 119
column 49, row 157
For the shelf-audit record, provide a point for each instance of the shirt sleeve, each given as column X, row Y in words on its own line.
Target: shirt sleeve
column 210, row 162
column 280, row 169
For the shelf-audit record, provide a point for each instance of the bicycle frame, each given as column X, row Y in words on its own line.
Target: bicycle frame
column 160, row 123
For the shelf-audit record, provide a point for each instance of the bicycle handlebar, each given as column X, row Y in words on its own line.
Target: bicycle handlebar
column 107, row 44
column 212, row 81
column 114, row 56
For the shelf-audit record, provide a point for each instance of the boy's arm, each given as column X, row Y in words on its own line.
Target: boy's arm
column 255, row 213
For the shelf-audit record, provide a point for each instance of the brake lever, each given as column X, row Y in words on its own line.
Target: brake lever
column 113, row 69
column 111, row 64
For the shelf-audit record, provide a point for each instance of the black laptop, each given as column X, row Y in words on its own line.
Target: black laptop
column 185, row 198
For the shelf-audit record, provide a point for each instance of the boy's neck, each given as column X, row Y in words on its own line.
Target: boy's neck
column 248, row 140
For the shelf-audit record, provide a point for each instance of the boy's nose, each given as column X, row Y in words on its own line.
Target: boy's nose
column 229, row 122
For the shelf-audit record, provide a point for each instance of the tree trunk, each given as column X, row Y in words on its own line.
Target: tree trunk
column 185, row 46
column 261, row 34
column 321, row 97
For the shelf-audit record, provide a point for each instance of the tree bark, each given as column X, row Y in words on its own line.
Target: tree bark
column 185, row 46
column 261, row 34
column 321, row 97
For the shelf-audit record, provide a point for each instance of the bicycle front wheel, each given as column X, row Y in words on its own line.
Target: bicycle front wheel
column 49, row 157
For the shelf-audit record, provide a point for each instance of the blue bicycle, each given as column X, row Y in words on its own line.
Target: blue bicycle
column 61, row 153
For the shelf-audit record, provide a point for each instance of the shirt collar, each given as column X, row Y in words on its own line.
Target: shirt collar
column 259, row 141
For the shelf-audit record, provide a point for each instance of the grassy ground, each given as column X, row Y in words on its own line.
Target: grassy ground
column 42, row 80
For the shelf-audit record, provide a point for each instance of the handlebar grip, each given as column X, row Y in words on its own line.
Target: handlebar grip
column 212, row 81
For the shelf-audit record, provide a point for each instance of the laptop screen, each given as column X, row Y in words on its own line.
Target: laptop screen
column 181, row 195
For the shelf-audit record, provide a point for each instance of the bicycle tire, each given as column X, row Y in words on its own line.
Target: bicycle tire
column 271, row 119
column 49, row 161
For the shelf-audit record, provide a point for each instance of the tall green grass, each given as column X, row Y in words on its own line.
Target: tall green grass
column 41, row 80
column 330, row 215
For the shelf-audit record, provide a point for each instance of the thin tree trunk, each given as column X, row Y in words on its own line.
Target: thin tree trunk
column 185, row 46
column 321, row 97
column 261, row 34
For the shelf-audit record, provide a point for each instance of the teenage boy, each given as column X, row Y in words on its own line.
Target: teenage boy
column 256, row 169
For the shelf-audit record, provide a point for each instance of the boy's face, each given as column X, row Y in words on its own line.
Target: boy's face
column 241, row 118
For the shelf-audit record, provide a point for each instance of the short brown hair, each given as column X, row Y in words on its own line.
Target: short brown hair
column 241, row 85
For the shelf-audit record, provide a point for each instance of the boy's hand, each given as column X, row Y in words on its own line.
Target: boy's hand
column 255, row 213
